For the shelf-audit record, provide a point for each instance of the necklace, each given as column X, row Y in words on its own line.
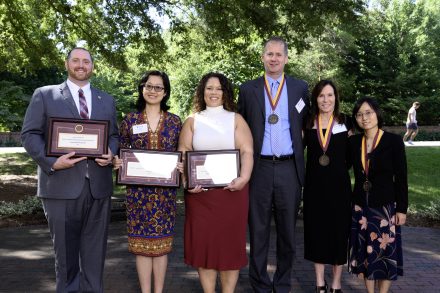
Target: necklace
column 154, row 136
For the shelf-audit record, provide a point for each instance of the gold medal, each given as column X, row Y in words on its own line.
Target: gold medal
column 273, row 118
column 273, row 100
column 324, row 140
column 324, row 160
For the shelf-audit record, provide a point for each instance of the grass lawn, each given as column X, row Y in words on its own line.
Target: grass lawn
column 17, row 164
column 423, row 175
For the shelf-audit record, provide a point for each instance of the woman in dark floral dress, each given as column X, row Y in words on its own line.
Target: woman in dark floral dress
column 151, row 211
column 380, row 198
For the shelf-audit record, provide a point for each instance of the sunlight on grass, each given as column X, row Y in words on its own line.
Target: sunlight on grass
column 423, row 179
column 17, row 164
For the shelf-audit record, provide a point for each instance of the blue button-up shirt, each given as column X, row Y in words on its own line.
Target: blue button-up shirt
column 283, row 113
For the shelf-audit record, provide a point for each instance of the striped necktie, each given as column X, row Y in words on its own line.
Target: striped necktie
column 275, row 129
column 83, row 110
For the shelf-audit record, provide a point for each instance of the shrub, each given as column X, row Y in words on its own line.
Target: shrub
column 428, row 136
column 30, row 205
column 430, row 211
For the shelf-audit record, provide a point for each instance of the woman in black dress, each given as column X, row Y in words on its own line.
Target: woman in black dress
column 327, row 190
column 380, row 199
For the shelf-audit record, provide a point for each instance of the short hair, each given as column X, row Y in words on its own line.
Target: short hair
column 140, row 103
column 374, row 105
column 276, row 39
column 228, row 92
column 69, row 54
column 314, row 109
column 416, row 104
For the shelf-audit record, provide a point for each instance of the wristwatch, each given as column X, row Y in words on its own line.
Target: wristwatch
column 52, row 171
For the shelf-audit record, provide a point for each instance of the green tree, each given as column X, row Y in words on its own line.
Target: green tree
column 13, row 107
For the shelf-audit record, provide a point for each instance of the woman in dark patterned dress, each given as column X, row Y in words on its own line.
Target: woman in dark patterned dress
column 380, row 199
column 151, row 211
column 327, row 192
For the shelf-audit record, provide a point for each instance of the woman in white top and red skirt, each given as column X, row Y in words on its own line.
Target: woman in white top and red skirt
column 216, row 218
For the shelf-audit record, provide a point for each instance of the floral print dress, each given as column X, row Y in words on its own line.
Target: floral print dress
column 151, row 211
column 376, row 249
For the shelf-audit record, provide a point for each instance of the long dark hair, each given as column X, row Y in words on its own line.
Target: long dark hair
column 374, row 105
column 314, row 109
column 140, row 103
column 228, row 93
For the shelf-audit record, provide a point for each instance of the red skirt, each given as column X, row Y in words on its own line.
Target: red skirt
column 215, row 229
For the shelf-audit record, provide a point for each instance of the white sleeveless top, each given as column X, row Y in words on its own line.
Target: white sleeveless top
column 214, row 129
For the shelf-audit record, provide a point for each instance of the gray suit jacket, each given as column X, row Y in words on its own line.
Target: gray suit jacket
column 57, row 101
column 251, row 106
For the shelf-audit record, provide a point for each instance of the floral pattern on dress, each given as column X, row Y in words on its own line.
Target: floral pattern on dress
column 151, row 211
column 375, row 244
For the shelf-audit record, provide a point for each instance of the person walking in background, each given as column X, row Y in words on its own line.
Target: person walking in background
column 327, row 191
column 380, row 199
column 75, row 191
column 216, row 219
column 151, row 210
column 274, row 106
column 411, row 123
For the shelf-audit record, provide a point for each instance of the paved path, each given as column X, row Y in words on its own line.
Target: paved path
column 27, row 263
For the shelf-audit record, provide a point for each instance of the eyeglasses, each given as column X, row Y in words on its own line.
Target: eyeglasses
column 156, row 88
column 366, row 114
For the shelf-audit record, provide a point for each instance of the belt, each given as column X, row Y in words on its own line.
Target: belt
column 275, row 158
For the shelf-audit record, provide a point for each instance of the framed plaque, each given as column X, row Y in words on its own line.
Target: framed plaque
column 149, row 167
column 215, row 168
column 87, row 138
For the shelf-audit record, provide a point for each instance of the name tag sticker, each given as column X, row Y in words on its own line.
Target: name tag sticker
column 300, row 105
column 337, row 128
column 140, row 128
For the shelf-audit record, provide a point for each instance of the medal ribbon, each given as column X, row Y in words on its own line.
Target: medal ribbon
column 364, row 155
column 324, row 140
column 273, row 100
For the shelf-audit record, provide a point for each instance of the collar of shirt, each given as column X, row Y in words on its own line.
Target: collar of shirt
column 270, row 80
column 87, row 94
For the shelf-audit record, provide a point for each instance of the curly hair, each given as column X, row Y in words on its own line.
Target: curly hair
column 228, row 93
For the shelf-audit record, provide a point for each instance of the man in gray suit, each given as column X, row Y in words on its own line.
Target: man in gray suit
column 75, row 191
column 274, row 106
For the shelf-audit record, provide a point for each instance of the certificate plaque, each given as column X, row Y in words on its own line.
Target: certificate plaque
column 216, row 168
column 149, row 167
column 87, row 138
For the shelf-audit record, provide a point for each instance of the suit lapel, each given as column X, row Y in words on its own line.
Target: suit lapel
column 291, row 99
column 96, row 101
column 259, row 93
column 68, row 99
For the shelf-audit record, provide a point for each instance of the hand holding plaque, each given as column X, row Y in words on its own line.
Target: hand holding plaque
column 215, row 168
column 148, row 167
column 87, row 138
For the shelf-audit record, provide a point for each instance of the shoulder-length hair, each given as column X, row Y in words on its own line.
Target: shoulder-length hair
column 314, row 109
column 228, row 92
column 374, row 105
column 140, row 103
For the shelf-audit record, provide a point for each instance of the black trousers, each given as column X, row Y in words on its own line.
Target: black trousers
column 274, row 189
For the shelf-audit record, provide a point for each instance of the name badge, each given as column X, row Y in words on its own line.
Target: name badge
column 337, row 128
column 140, row 128
column 300, row 105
